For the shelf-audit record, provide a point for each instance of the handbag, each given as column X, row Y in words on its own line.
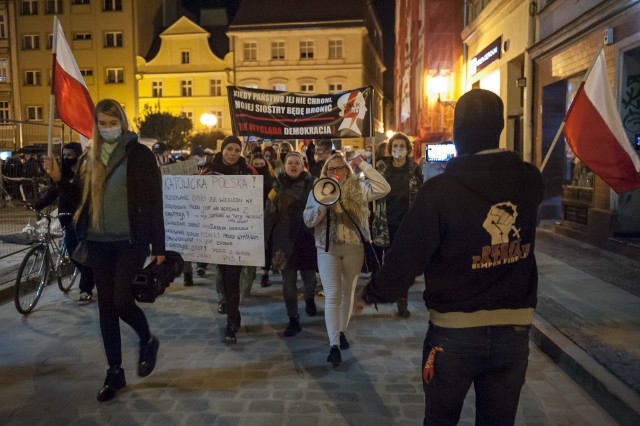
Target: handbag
column 80, row 253
column 371, row 262
column 152, row 280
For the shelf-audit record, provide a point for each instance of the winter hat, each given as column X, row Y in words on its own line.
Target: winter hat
column 230, row 139
column 75, row 146
column 477, row 122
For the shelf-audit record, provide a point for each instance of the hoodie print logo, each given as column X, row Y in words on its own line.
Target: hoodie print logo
column 506, row 245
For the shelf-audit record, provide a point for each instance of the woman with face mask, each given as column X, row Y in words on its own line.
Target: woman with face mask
column 405, row 177
column 338, row 229
column 120, row 216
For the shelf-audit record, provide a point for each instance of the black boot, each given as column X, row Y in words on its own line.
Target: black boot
column 403, row 309
column 113, row 383
column 230, row 335
column 264, row 282
column 222, row 307
column 148, row 355
column 334, row 356
column 294, row 326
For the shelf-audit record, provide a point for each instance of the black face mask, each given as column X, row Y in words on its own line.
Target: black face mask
column 68, row 163
column 261, row 170
column 283, row 156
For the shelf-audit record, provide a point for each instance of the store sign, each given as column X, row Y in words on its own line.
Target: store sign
column 490, row 54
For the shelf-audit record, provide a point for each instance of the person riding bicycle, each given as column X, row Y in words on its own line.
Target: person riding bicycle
column 61, row 177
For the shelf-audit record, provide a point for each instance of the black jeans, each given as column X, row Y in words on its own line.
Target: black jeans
column 231, row 284
column 493, row 358
column 290, row 288
column 114, row 265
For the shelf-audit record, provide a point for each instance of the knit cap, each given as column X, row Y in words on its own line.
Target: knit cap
column 477, row 122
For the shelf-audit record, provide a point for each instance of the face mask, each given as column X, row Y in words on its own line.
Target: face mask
column 399, row 153
column 68, row 163
column 283, row 156
column 110, row 134
column 367, row 154
column 261, row 170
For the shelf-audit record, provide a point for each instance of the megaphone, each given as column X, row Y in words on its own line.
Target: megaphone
column 326, row 191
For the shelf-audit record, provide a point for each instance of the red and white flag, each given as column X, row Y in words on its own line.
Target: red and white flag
column 73, row 102
column 594, row 132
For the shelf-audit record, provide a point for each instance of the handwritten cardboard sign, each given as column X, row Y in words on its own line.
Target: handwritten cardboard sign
column 215, row 218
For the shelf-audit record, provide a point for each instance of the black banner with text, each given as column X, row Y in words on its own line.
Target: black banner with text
column 271, row 114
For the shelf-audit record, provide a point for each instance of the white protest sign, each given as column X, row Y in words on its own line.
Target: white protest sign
column 215, row 218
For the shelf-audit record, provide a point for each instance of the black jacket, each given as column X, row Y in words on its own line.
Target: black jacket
column 471, row 231
column 144, row 198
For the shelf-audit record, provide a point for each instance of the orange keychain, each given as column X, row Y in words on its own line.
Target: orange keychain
column 429, row 371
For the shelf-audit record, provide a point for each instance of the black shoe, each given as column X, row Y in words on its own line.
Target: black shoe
column 188, row 280
column 113, row 383
column 310, row 308
column 200, row 271
column 264, row 282
column 230, row 335
column 403, row 309
column 148, row 355
column 334, row 356
column 222, row 308
column 344, row 344
column 294, row 326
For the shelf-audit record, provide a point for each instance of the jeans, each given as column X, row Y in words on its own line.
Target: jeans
column 493, row 358
column 290, row 288
column 114, row 266
column 339, row 270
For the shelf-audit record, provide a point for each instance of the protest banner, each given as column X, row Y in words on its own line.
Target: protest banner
column 215, row 218
column 287, row 115
column 188, row 167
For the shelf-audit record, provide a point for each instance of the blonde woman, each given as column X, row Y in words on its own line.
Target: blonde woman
column 337, row 235
column 120, row 217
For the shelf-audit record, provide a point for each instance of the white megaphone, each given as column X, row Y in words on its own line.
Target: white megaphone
column 326, row 191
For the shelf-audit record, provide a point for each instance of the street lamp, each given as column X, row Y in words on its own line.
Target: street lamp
column 390, row 133
column 208, row 120
column 438, row 84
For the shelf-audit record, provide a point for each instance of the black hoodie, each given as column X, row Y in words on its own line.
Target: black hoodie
column 471, row 231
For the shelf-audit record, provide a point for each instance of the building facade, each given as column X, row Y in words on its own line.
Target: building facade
column 309, row 47
column 186, row 78
column 428, row 60
column 105, row 36
column 570, row 36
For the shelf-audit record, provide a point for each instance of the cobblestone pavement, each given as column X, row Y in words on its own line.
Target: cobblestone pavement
column 52, row 364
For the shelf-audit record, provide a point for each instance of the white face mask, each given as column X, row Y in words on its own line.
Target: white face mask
column 399, row 154
column 110, row 134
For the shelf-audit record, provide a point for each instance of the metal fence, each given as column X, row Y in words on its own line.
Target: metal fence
column 17, row 135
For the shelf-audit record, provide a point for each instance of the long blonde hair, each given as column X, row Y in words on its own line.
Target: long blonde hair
column 93, row 172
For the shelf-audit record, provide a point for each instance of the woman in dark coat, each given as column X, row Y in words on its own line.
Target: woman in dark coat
column 293, row 243
column 229, row 161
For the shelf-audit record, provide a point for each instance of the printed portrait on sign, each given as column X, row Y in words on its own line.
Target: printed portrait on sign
column 353, row 110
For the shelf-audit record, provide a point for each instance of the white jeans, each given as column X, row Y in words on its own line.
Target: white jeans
column 339, row 269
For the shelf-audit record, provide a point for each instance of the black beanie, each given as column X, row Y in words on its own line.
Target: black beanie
column 477, row 122
column 230, row 139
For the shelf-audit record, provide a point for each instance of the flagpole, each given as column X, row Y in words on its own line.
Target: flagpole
column 52, row 97
column 555, row 140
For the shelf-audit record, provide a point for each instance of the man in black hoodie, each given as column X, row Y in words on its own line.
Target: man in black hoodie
column 471, row 231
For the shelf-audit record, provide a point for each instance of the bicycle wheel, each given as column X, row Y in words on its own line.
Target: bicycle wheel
column 66, row 273
column 32, row 277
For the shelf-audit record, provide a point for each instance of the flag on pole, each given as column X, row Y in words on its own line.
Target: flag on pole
column 72, row 99
column 595, row 133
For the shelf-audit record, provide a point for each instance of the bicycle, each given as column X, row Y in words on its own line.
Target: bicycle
column 45, row 261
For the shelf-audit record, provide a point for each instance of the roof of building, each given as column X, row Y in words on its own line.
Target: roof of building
column 279, row 13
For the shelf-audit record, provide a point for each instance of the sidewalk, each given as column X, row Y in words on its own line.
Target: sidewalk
column 588, row 320
column 52, row 363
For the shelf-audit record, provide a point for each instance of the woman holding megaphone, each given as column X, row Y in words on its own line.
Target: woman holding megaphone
column 338, row 222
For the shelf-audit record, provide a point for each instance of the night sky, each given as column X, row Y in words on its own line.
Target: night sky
column 384, row 8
